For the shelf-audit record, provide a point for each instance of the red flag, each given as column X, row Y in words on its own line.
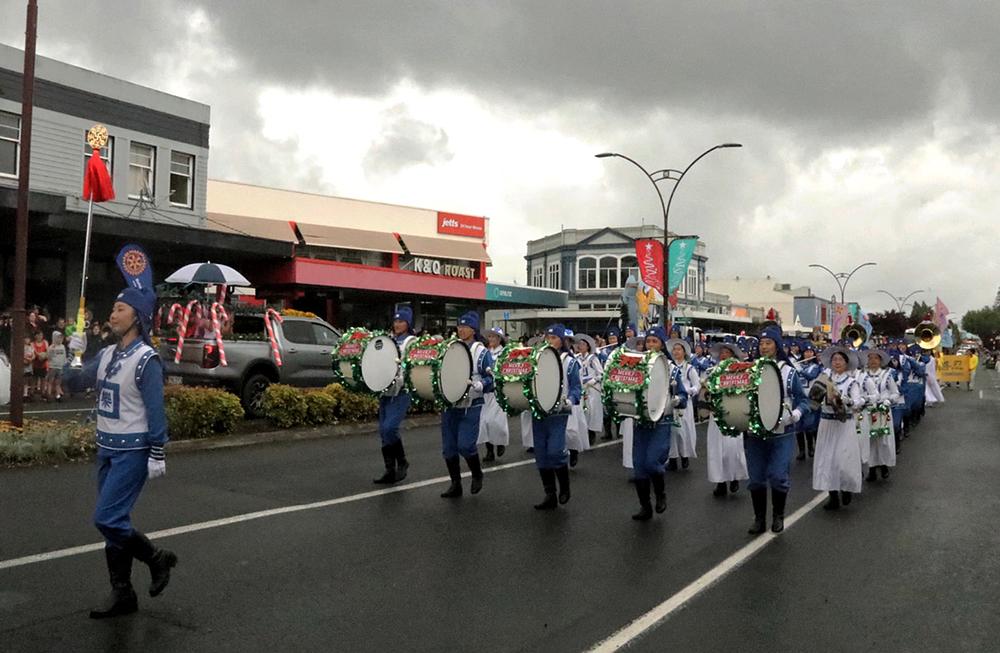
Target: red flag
column 673, row 299
column 96, row 180
column 941, row 315
column 649, row 253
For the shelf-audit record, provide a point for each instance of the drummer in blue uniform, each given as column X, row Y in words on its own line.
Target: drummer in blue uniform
column 769, row 458
column 917, row 383
column 611, row 430
column 392, row 406
column 651, row 442
column 460, row 423
column 551, row 456
column 809, row 369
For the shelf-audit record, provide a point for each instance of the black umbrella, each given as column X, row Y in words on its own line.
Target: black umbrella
column 208, row 273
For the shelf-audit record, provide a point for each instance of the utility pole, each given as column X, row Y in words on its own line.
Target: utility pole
column 17, row 313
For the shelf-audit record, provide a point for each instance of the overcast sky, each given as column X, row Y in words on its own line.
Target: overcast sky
column 869, row 129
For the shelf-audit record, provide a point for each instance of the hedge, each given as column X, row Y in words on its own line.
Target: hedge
column 286, row 406
column 196, row 412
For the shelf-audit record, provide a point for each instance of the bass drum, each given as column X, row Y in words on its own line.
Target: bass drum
column 454, row 372
column 524, row 383
column 638, row 384
column 746, row 388
column 438, row 370
column 380, row 363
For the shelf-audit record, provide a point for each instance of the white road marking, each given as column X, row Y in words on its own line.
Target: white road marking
column 53, row 410
column 654, row 617
column 980, row 394
column 260, row 514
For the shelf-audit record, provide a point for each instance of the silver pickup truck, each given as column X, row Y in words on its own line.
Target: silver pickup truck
column 305, row 345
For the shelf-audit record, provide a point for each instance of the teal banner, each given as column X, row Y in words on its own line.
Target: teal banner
column 681, row 252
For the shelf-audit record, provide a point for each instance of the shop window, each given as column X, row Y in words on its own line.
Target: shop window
column 608, row 272
column 10, row 143
column 538, row 277
column 181, row 180
column 629, row 266
column 107, row 153
column 141, row 164
column 554, row 273
column 587, row 273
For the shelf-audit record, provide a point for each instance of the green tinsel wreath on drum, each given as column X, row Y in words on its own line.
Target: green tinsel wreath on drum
column 609, row 386
column 513, row 353
column 353, row 339
column 717, row 392
column 438, row 345
column 882, row 430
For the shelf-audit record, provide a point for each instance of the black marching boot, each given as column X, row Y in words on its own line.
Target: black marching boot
column 720, row 490
column 477, row 472
column 672, row 465
column 734, row 486
column 401, row 463
column 885, row 471
column 122, row 600
column 759, row 499
column 160, row 561
column 800, row 438
column 897, row 437
column 501, row 450
column 845, row 498
column 592, row 435
column 489, row 457
column 645, row 508
column 549, row 485
column 574, row 457
column 811, row 443
column 778, row 499
column 833, row 503
column 455, row 472
column 685, row 462
column 871, row 474
column 659, row 492
column 562, row 473
column 389, row 460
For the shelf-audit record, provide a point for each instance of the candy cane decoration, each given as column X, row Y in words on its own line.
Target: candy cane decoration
column 270, row 333
column 175, row 309
column 182, row 327
column 217, row 327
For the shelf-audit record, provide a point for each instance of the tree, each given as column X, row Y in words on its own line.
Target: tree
column 920, row 312
column 984, row 322
column 892, row 324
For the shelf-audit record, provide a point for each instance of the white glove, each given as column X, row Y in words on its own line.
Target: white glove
column 796, row 416
column 476, row 385
column 675, row 401
column 156, row 468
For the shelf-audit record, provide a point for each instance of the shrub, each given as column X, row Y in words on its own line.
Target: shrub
column 284, row 406
column 321, row 408
column 352, row 406
column 195, row 412
column 45, row 441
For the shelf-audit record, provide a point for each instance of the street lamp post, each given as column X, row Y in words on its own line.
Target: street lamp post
column 676, row 176
column 900, row 301
column 842, row 278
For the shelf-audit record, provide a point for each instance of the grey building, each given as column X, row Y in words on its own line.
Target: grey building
column 592, row 265
column 158, row 160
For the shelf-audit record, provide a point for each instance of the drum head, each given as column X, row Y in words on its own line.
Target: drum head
column 378, row 363
column 770, row 395
column 548, row 379
column 455, row 372
column 659, row 387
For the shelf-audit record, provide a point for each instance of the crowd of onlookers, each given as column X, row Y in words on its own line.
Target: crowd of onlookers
column 48, row 350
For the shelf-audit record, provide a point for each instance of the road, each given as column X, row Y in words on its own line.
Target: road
column 911, row 565
column 76, row 408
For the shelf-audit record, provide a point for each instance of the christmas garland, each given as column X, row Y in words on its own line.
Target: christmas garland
column 437, row 345
column 514, row 353
column 716, row 393
column 609, row 386
column 359, row 337
column 882, row 430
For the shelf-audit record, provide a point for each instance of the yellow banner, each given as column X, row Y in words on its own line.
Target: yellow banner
column 953, row 369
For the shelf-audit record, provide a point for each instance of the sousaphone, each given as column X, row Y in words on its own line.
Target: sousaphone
column 854, row 333
column 927, row 335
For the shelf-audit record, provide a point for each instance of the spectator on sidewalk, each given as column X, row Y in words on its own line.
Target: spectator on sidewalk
column 29, row 359
column 973, row 365
column 57, row 363
column 94, row 342
column 40, row 363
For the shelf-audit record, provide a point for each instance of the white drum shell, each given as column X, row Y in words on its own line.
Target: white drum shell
column 656, row 394
column 380, row 363
column 455, row 372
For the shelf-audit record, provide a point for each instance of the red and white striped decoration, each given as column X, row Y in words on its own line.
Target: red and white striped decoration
column 182, row 330
column 270, row 333
column 218, row 309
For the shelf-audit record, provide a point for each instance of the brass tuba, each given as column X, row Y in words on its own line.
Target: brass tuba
column 855, row 333
column 927, row 335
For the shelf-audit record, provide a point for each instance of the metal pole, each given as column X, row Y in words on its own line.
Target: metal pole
column 80, row 311
column 21, row 240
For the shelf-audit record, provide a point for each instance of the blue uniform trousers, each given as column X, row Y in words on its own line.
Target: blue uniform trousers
column 120, row 477
column 769, row 461
column 897, row 418
column 460, row 430
column 650, row 448
column 550, row 441
column 391, row 413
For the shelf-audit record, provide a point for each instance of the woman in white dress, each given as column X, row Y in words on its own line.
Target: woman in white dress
column 884, row 392
column 493, row 429
column 727, row 460
column 627, row 427
column 837, row 465
column 591, row 374
column 932, row 391
column 685, row 444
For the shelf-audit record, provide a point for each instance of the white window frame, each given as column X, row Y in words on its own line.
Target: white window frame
column 612, row 273
column 692, row 282
column 107, row 154
column 150, row 171
column 624, row 271
column 17, row 147
column 538, row 276
column 190, row 180
column 553, row 275
column 591, row 273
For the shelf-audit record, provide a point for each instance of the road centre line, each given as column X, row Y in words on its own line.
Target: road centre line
column 638, row 627
column 261, row 514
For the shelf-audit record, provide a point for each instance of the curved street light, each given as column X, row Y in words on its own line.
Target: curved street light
column 900, row 301
column 842, row 278
column 674, row 175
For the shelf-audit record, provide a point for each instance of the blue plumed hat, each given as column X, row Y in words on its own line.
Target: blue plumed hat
column 470, row 319
column 557, row 330
column 658, row 332
column 404, row 314
column 773, row 332
column 143, row 302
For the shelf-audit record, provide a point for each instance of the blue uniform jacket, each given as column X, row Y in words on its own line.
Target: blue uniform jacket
column 574, row 389
column 677, row 387
column 795, row 395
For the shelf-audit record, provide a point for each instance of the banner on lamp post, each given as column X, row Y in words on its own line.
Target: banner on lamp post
column 941, row 315
column 681, row 253
column 649, row 254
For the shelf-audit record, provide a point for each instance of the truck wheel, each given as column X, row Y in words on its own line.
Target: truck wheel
column 253, row 394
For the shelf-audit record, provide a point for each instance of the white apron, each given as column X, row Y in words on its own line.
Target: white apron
column 626, row 432
column 932, row 392
column 685, row 446
column 727, row 460
column 493, row 427
column 527, row 435
column 837, row 463
column 591, row 374
column 883, row 448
